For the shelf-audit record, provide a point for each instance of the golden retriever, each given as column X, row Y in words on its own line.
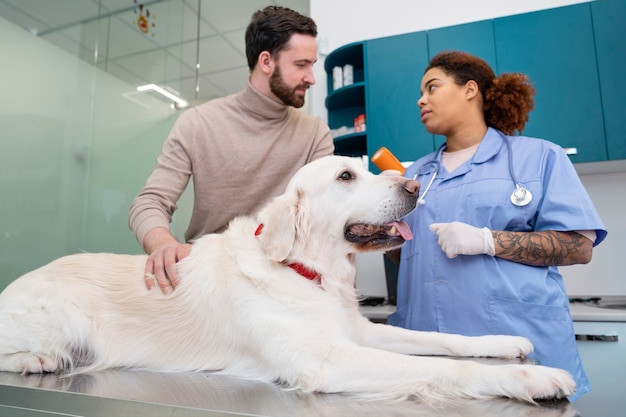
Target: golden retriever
column 271, row 299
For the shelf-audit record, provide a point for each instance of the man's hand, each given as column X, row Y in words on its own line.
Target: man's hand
column 458, row 238
column 164, row 251
column 161, row 266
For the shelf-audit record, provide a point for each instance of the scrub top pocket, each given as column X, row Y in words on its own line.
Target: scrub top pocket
column 545, row 326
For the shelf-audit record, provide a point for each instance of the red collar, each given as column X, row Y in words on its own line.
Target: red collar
column 304, row 271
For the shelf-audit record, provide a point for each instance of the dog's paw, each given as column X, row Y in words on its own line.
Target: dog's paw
column 543, row 383
column 38, row 363
column 506, row 347
column 525, row 382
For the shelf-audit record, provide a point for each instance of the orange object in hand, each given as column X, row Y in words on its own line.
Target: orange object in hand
column 384, row 160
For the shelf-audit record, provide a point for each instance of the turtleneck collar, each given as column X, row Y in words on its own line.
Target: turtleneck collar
column 259, row 104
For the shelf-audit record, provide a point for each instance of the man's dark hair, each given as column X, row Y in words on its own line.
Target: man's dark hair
column 270, row 30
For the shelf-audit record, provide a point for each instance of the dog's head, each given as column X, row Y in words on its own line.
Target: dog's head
column 335, row 204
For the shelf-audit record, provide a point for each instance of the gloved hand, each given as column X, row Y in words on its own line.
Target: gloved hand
column 458, row 238
column 390, row 172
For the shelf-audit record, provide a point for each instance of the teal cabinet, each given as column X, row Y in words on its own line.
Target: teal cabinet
column 574, row 56
column 394, row 67
column 475, row 38
column 609, row 24
column 555, row 48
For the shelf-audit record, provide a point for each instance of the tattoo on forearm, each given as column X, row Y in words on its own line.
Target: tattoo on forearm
column 546, row 248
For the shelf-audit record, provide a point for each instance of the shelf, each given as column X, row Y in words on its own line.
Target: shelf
column 347, row 54
column 352, row 95
column 348, row 102
column 353, row 144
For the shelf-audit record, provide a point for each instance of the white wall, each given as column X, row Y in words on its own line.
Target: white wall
column 604, row 275
column 341, row 23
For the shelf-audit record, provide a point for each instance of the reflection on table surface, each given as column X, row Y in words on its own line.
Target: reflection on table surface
column 226, row 395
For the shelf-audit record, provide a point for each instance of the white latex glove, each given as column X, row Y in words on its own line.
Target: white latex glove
column 390, row 172
column 458, row 238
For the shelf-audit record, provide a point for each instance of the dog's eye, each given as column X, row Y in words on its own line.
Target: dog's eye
column 346, row 176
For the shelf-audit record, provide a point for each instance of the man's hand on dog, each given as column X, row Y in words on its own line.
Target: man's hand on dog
column 161, row 266
column 164, row 251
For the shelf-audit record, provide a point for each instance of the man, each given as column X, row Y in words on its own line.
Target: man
column 241, row 150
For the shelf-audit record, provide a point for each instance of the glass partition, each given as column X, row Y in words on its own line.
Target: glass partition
column 77, row 140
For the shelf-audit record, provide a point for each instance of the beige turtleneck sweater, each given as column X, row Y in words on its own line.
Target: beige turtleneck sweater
column 241, row 151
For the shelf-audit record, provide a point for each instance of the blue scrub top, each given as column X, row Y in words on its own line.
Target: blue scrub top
column 481, row 294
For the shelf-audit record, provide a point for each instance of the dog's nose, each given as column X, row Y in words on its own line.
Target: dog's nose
column 412, row 186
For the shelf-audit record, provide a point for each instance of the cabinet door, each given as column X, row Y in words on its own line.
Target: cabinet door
column 604, row 361
column 609, row 17
column 394, row 71
column 475, row 38
column 555, row 48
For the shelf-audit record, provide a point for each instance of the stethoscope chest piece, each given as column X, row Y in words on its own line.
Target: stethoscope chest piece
column 521, row 196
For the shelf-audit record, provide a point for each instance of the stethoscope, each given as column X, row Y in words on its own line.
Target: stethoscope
column 520, row 196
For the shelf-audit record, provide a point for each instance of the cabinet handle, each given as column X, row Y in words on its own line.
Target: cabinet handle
column 571, row 151
column 598, row 337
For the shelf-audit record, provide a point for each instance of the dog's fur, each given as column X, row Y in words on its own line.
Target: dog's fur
column 240, row 309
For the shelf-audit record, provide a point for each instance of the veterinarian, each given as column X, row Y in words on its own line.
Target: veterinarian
column 499, row 214
column 241, row 150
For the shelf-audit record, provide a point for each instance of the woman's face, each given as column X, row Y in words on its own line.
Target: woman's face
column 443, row 103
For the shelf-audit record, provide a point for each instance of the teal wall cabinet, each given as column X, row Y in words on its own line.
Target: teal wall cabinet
column 394, row 72
column 609, row 24
column 574, row 56
column 555, row 48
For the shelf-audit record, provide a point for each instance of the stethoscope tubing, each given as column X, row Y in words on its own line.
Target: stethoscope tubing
column 435, row 162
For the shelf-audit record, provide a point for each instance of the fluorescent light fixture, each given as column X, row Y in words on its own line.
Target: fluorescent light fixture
column 179, row 101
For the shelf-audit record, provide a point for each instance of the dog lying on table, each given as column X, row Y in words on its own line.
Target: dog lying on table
column 272, row 299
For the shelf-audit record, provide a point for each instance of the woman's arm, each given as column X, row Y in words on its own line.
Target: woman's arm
column 545, row 248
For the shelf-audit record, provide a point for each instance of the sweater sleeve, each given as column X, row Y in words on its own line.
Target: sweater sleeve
column 156, row 202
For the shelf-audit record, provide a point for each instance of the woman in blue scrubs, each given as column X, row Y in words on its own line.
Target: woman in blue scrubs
column 484, row 261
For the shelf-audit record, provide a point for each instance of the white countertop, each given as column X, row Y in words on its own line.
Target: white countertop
column 580, row 312
column 584, row 312
column 377, row 312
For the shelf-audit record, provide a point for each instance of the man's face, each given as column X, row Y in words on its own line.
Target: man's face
column 293, row 72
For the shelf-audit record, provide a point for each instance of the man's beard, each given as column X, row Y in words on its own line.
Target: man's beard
column 285, row 93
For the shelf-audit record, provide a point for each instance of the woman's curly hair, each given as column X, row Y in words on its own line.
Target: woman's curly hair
column 507, row 99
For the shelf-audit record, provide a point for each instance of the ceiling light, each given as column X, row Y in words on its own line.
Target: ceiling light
column 179, row 102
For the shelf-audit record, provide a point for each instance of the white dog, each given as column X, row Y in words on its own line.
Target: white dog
column 271, row 299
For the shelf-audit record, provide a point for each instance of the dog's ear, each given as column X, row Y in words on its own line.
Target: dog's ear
column 279, row 219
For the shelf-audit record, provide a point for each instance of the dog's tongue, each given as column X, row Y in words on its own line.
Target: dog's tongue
column 403, row 229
